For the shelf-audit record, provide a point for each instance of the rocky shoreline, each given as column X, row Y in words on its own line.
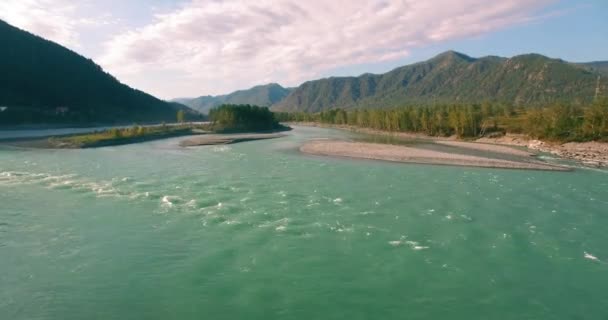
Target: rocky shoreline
column 591, row 154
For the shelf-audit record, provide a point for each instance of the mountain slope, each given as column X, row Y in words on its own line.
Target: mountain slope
column 263, row 95
column 43, row 82
column 597, row 66
column 453, row 77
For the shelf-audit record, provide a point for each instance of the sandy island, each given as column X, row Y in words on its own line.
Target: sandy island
column 397, row 153
column 215, row 139
column 591, row 154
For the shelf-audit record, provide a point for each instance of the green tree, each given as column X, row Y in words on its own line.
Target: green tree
column 181, row 116
column 116, row 133
column 595, row 122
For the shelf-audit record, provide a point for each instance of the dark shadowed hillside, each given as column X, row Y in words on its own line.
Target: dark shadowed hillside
column 43, row 82
column 263, row 95
column 452, row 77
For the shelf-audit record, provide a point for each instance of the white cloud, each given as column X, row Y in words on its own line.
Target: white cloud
column 211, row 46
column 57, row 20
column 47, row 18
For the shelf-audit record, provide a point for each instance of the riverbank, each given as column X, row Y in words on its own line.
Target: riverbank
column 202, row 135
column 106, row 138
column 397, row 153
column 592, row 154
column 58, row 126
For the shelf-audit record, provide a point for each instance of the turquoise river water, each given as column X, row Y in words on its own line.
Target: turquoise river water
column 259, row 231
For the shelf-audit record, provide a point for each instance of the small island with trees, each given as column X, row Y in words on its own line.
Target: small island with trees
column 232, row 118
column 238, row 123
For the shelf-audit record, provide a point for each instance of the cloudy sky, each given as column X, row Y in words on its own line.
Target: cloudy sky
column 188, row 48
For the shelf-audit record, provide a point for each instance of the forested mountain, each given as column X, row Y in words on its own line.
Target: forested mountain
column 452, row 77
column 43, row 82
column 263, row 95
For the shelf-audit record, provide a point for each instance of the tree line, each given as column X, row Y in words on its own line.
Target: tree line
column 558, row 122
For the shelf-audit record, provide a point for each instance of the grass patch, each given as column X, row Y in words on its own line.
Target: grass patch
column 118, row 136
column 137, row 134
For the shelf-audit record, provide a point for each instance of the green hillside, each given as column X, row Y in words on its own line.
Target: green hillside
column 43, row 82
column 452, row 77
column 263, row 95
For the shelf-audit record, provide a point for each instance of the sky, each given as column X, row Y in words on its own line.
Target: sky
column 189, row 48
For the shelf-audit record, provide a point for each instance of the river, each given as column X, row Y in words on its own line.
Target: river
column 260, row 231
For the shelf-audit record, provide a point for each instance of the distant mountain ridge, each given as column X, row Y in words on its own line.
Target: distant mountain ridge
column 262, row 95
column 453, row 77
column 597, row 66
column 43, row 82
